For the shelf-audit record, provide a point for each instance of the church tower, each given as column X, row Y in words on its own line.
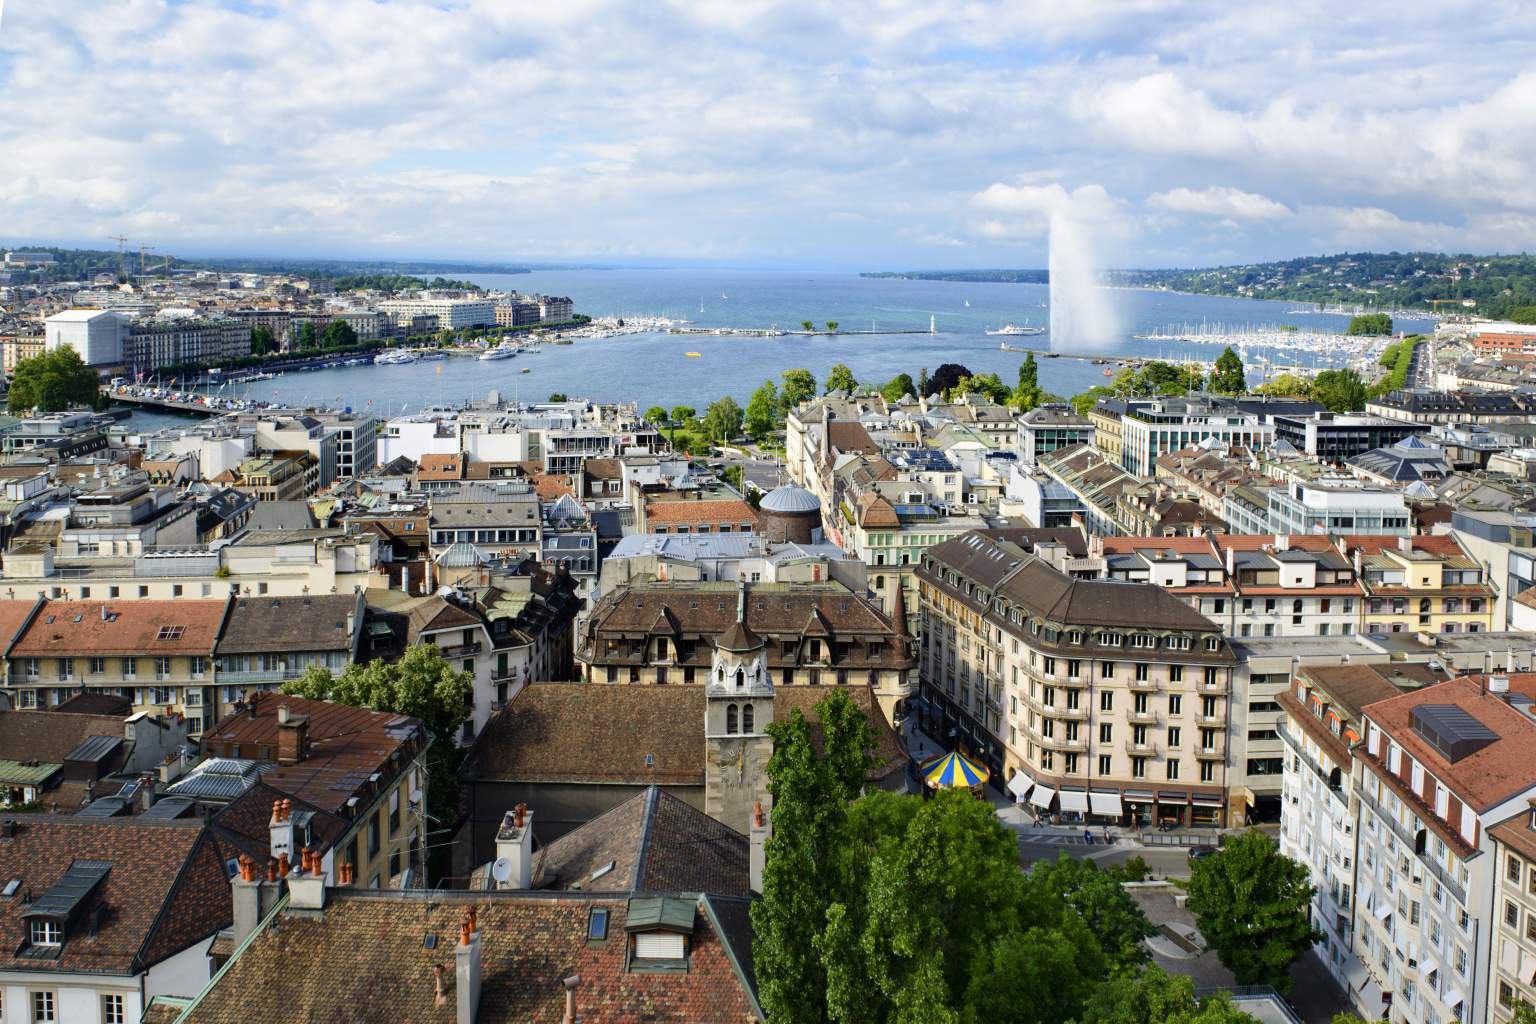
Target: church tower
column 738, row 707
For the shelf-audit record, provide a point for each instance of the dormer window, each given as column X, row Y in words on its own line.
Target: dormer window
column 660, row 929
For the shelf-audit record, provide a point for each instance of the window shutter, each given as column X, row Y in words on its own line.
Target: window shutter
column 658, row 946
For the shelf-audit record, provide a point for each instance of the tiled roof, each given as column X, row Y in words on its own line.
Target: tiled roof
column 166, row 889
column 1489, row 775
column 564, row 732
column 656, row 843
column 244, row 823
column 707, row 511
column 435, row 466
column 346, row 745
column 364, row 961
column 549, row 487
column 267, row 624
column 140, row 628
column 50, row 735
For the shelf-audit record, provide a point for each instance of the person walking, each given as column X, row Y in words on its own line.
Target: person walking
column 1088, row 836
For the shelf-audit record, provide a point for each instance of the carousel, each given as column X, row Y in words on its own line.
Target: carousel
column 953, row 771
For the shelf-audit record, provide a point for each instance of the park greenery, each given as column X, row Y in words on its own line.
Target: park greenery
column 1370, row 323
column 1251, row 902
column 879, row 908
column 397, row 283
column 52, row 381
column 421, row 684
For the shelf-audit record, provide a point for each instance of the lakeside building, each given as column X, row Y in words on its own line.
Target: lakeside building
column 1091, row 699
column 450, row 314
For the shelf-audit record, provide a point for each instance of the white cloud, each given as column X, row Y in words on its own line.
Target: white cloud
column 862, row 132
column 1219, row 201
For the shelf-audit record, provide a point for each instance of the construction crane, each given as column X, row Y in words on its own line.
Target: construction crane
column 142, row 250
column 121, row 242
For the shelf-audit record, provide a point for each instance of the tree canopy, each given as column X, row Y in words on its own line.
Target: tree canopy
column 1228, row 377
column 263, row 341
column 52, row 381
column 1370, row 323
column 943, row 379
column 1251, row 903
column 762, row 413
column 1339, row 390
column 1156, row 997
column 898, row 387
column 799, row 386
column 1285, row 385
column 840, row 378
column 656, row 414
column 1027, row 395
column 722, row 420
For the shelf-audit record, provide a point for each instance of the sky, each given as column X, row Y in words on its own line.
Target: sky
column 856, row 134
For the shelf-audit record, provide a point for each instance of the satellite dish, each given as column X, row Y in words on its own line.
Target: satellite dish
column 501, row 870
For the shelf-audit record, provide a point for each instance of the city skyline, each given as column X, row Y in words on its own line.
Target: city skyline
column 869, row 136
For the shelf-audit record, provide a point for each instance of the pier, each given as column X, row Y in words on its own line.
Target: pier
column 1117, row 360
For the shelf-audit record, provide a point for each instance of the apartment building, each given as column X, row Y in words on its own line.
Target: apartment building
column 1421, row 584
column 891, row 536
column 451, row 314
column 1439, row 768
column 1337, row 506
column 499, row 519
column 1514, row 901
column 1096, row 482
column 1050, row 427
column 360, row 773
column 1287, row 585
column 1338, row 437
column 158, row 654
column 1425, row 406
column 1091, row 699
column 266, row 641
column 1169, row 424
column 163, row 342
column 816, row 634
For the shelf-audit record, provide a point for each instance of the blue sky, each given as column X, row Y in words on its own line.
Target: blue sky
column 866, row 134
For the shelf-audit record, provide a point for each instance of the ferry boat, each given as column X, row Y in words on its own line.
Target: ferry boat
column 395, row 357
column 1015, row 330
column 505, row 350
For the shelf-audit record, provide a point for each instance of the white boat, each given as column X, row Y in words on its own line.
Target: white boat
column 1014, row 330
column 395, row 357
column 505, row 350
column 967, row 303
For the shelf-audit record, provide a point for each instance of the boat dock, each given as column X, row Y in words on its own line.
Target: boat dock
column 1114, row 360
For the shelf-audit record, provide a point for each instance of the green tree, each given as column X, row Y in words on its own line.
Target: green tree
column 1339, row 390
column 1523, row 314
column 1027, row 395
column 558, row 396
column 263, row 341
column 722, row 420
column 1228, row 377
column 1084, row 403
column 922, row 383
column 762, row 414
column 943, row 379
column 1369, row 323
column 683, row 413
column 987, row 385
column 1156, row 997
column 338, row 334
column 799, row 386
column 304, row 336
column 1114, row 918
column 52, row 381
column 1285, row 385
column 1251, row 903
column 423, row 685
column 656, row 414
column 840, row 378
column 806, row 326
column 898, row 387
column 832, row 326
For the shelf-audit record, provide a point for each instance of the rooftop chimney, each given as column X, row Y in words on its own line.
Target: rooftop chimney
column 1498, row 685
column 292, row 736
column 757, row 854
column 147, row 795
column 253, row 898
column 306, row 887
column 466, row 970
column 569, row 984
column 514, row 843
column 280, row 829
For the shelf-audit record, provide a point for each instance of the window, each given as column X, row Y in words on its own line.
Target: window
column 1175, row 736
column 43, row 1008
column 1142, row 669
column 1511, row 914
column 46, row 933
column 1175, row 705
column 112, row 1011
column 747, row 716
column 1106, row 670
column 1105, row 764
column 1106, row 733
column 1106, row 700
column 1512, row 869
column 730, row 719
column 98, row 666
column 597, row 924
column 170, row 632
column 1173, row 769
column 1138, row 767
column 373, row 836
column 1207, row 771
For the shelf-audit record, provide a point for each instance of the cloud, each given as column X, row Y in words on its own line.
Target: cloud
column 858, row 133
column 1219, row 201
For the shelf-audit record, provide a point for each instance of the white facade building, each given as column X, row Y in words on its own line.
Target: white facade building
column 96, row 334
column 451, row 314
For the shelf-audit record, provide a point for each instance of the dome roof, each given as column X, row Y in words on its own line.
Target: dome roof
column 789, row 498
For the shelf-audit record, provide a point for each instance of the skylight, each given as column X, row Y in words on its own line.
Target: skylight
column 170, row 632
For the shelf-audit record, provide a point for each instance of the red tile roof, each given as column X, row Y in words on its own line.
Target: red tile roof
column 364, row 961
column 709, row 511
column 166, row 889
column 346, row 745
column 135, row 628
column 434, row 466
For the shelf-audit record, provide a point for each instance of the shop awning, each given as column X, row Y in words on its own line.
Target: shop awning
column 1166, row 797
column 1106, row 803
column 1074, row 800
column 1138, row 796
column 1042, row 796
column 1207, row 801
column 1384, row 909
column 1019, row 784
column 1453, row 997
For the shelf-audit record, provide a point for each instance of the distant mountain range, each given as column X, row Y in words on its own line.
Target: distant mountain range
column 1497, row 285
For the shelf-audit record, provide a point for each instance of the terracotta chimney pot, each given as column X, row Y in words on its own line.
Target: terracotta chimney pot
column 282, row 864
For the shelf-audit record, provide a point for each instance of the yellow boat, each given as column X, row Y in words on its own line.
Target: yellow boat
column 692, row 355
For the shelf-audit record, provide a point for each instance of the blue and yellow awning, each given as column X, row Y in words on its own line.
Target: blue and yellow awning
column 954, row 770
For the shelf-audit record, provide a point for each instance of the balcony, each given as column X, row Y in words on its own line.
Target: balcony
column 1216, row 753
column 460, row 651
column 1203, row 719
column 275, row 675
column 1147, row 749
column 1219, row 686
column 1142, row 685
column 1147, row 717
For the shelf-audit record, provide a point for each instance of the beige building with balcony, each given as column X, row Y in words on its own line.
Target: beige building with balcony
column 1088, row 699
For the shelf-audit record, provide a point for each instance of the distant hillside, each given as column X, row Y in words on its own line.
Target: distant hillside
column 1497, row 284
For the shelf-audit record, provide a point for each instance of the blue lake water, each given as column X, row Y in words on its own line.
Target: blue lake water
column 651, row 369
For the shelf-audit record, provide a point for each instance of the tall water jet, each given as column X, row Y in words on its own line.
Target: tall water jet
column 1083, row 316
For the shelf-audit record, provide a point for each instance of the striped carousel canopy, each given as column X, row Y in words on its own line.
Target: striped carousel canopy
column 954, row 770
